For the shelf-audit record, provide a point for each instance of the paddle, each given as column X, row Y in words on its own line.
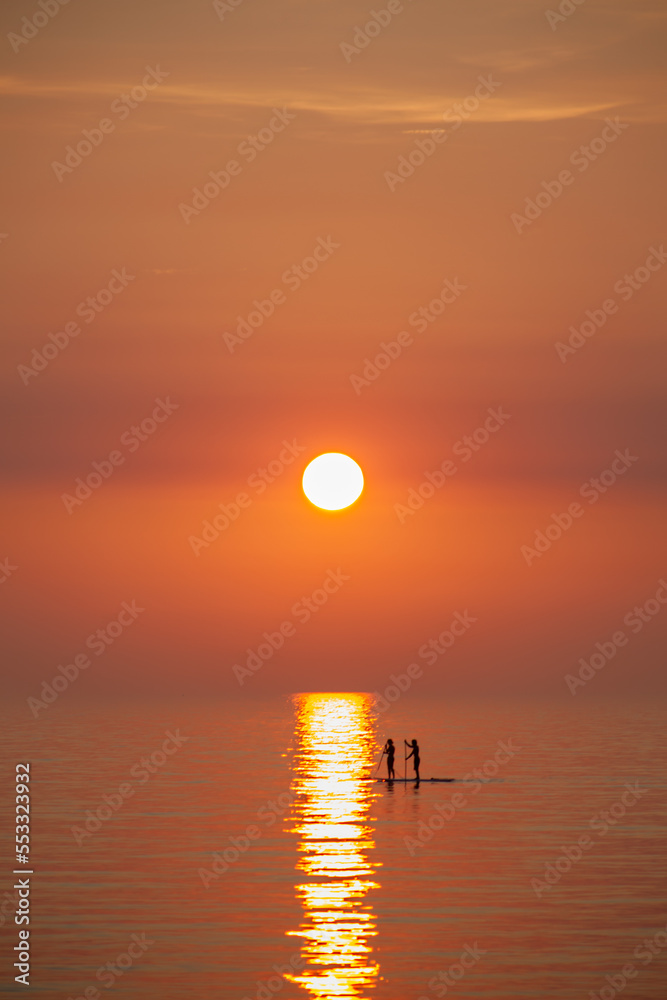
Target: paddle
column 379, row 762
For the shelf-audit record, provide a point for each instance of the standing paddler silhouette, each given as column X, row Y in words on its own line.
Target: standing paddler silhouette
column 390, row 751
column 415, row 755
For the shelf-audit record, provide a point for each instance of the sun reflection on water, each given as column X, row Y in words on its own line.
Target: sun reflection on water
column 335, row 747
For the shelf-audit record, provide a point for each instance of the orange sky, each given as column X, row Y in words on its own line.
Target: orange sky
column 584, row 96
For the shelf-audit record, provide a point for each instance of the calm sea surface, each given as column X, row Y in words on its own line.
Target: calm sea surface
column 246, row 854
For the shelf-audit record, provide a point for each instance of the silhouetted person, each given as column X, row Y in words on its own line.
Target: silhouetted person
column 415, row 755
column 390, row 750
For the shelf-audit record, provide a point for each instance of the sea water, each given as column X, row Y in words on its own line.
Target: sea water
column 239, row 851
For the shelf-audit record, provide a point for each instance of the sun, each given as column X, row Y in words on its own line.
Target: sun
column 333, row 481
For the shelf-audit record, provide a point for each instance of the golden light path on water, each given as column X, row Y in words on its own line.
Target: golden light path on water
column 335, row 752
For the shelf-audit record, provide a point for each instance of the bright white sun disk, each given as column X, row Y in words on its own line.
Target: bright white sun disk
column 333, row 481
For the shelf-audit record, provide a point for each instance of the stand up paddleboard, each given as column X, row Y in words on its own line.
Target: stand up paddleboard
column 403, row 781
